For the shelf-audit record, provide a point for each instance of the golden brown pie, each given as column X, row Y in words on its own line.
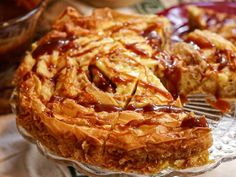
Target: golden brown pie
column 205, row 63
column 88, row 91
column 218, row 22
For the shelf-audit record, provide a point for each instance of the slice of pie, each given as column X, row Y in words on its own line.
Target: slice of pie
column 218, row 22
column 88, row 91
column 205, row 63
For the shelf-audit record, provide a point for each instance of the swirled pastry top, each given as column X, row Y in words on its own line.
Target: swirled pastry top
column 92, row 77
column 100, row 60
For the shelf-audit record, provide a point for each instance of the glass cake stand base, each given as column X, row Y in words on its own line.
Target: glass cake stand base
column 222, row 150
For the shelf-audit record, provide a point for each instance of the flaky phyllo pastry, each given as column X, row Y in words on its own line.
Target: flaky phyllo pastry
column 206, row 63
column 90, row 90
column 218, row 22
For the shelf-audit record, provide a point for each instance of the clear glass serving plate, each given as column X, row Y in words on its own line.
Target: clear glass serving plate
column 222, row 150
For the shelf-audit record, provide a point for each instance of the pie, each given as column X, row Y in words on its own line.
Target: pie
column 90, row 90
column 217, row 22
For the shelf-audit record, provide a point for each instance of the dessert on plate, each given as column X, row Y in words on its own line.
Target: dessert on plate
column 204, row 62
column 90, row 90
column 208, row 19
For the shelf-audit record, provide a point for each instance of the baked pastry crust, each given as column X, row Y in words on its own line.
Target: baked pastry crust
column 206, row 19
column 206, row 64
column 87, row 91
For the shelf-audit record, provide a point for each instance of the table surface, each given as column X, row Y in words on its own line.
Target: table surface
column 14, row 149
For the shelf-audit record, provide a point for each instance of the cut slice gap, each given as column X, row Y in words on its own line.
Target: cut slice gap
column 131, row 96
column 150, row 87
column 122, row 74
column 100, row 80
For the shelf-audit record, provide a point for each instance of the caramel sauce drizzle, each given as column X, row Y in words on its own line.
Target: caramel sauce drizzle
column 157, row 90
column 200, row 42
column 191, row 122
column 173, row 77
column 152, row 36
column 225, row 58
column 103, row 83
column 84, row 52
column 188, row 122
column 144, row 84
column 221, row 105
column 107, row 108
column 98, row 107
column 61, row 44
column 172, row 72
column 147, row 108
column 118, row 79
column 136, row 50
column 100, row 80
column 153, row 107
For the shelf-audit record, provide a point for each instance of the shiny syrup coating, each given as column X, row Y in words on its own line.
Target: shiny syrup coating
column 147, row 108
column 158, row 108
column 172, row 72
column 152, row 36
column 173, row 76
column 221, row 58
column 120, row 80
column 225, row 58
column 136, row 50
column 222, row 105
column 191, row 122
column 61, row 44
column 107, row 108
column 100, row 80
column 200, row 42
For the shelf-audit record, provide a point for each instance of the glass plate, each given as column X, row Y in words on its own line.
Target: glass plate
column 223, row 149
